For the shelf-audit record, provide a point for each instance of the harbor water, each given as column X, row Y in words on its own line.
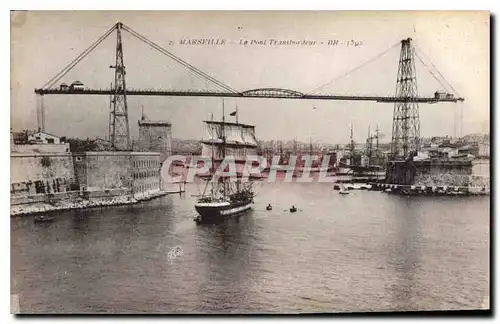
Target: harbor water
column 366, row 251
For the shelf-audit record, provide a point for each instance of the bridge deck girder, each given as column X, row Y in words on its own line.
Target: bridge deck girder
column 258, row 93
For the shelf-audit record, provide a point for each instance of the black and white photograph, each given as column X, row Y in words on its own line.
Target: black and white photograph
column 249, row 162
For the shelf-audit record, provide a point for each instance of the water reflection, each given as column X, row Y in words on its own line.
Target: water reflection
column 228, row 245
column 405, row 256
column 363, row 251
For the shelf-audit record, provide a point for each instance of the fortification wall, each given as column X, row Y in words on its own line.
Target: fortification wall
column 40, row 148
column 33, row 173
column 58, row 181
column 430, row 173
column 103, row 170
column 443, row 173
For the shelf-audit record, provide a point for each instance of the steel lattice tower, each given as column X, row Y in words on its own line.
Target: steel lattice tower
column 119, row 131
column 406, row 122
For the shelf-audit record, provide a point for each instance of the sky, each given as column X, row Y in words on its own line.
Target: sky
column 456, row 43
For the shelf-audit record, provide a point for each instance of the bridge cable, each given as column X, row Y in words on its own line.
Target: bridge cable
column 432, row 73
column 194, row 71
column 435, row 68
column 179, row 60
column 442, row 76
column 80, row 57
column 417, row 51
column 353, row 70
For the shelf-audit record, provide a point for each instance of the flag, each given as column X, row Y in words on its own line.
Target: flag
column 233, row 113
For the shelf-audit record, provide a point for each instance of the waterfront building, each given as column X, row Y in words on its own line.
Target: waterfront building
column 37, row 142
column 43, row 138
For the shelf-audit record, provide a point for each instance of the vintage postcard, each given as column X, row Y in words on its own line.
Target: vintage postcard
column 231, row 162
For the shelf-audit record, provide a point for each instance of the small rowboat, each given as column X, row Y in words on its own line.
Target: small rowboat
column 43, row 219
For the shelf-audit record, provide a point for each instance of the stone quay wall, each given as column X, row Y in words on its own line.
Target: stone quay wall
column 54, row 181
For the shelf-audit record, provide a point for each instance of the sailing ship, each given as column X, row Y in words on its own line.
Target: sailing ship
column 349, row 159
column 228, row 142
column 283, row 161
column 317, row 163
column 362, row 164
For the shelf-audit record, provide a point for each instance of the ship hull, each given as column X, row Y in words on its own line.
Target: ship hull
column 216, row 211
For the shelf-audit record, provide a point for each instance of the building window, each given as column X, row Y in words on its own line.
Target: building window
column 50, row 140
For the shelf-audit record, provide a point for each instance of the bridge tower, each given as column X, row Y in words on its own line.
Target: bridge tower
column 119, row 131
column 406, row 122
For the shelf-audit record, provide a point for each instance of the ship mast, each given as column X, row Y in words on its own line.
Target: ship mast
column 352, row 142
column 213, row 155
column 369, row 141
column 223, row 145
column 242, row 136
